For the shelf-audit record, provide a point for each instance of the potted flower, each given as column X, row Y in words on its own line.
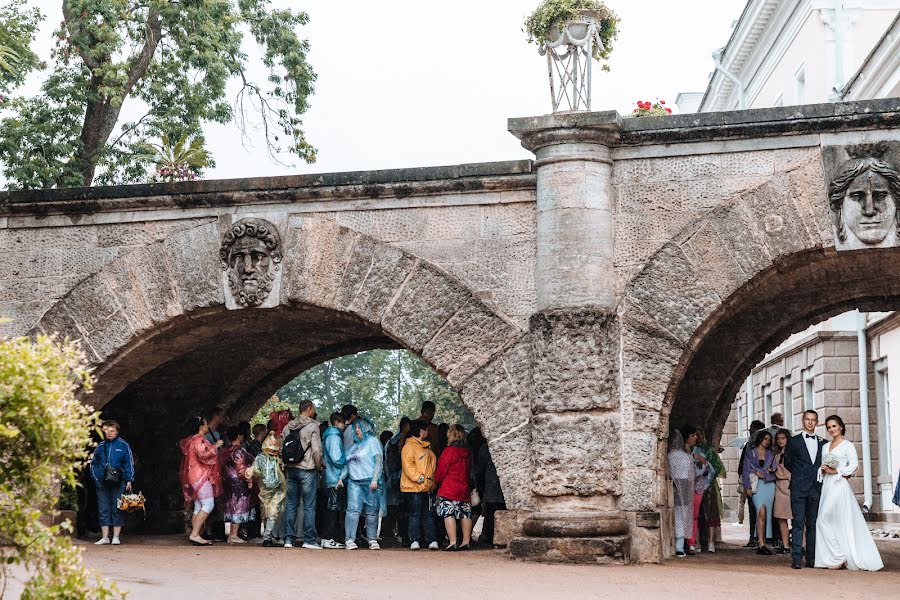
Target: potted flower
column 647, row 109
column 570, row 20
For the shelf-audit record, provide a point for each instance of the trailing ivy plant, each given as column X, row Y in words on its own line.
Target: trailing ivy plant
column 554, row 13
column 44, row 434
column 177, row 58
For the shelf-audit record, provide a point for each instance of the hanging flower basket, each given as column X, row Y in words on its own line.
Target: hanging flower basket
column 558, row 22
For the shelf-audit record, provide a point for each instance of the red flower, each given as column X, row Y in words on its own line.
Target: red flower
column 662, row 101
column 669, row 110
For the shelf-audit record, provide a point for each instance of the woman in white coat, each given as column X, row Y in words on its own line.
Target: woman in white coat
column 842, row 535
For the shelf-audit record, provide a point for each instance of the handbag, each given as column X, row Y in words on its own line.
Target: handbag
column 110, row 473
column 474, row 498
column 754, row 482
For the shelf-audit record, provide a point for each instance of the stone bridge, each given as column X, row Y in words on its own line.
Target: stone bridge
column 624, row 281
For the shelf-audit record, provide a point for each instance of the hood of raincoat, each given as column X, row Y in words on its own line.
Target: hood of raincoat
column 366, row 453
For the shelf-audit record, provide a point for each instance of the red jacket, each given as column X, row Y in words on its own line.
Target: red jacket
column 452, row 474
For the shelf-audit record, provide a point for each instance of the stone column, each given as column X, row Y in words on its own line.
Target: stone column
column 576, row 444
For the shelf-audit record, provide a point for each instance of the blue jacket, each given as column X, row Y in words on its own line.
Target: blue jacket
column 118, row 454
column 335, row 458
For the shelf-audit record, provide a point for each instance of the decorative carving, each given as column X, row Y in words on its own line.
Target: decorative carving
column 863, row 198
column 251, row 255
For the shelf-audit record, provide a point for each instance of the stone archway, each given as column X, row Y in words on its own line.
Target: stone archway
column 727, row 289
column 163, row 342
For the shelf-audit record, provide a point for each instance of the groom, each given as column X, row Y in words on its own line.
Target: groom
column 803, row 458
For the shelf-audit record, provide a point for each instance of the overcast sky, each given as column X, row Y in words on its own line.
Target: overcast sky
column 404, row 83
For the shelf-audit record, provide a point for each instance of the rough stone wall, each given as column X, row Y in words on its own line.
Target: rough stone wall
column 657, row 197
column 39, row 265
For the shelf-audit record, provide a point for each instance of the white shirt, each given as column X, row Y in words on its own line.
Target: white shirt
column 812, row 446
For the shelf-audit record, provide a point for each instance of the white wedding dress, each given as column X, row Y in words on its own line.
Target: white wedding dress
column 842, row 534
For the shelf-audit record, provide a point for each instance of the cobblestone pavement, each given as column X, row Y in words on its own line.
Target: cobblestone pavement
column 166, row 568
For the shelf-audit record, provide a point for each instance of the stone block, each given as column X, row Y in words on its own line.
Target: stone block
column 152, row 281
column 316, row 256
column 424, row 304
column 92, row 302
column 498, row 394
column 501, row 220
column 578, row 455
column 575, row 355
column 639, row 449
column 372, row 277
column 711, row 258
column 468, row 340
column 611, row 550
column 508, row 524
column 671, row 290
column 111, row 335
column 638, row 489
column 511, row 454
column 579, row 524
column 193, row 259
column 737, row 225
column 778, row 218
column 646, row 537
column 23, row 317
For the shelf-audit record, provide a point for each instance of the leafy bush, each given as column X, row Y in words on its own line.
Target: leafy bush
column 44, row 436
column 554, row 13
column 647, row 109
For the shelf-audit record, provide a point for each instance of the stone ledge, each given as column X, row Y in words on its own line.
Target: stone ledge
column 596, row 550
column 373, row 185
column 580, row 525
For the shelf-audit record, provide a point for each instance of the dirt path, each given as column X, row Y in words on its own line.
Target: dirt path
column 166, row 569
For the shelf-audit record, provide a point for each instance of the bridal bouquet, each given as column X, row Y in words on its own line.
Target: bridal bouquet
column 830, row 460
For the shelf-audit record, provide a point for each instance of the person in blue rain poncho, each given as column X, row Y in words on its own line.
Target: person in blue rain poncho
column 365, row 485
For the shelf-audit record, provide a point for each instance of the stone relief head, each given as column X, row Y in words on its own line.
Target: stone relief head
column 863, row 198
column 251, row 255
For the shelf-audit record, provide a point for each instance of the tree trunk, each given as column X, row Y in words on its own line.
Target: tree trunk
column 99, row 121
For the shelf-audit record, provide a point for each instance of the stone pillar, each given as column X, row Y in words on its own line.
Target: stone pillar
column 576, row 440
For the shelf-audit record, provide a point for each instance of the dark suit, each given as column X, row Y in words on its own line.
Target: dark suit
column 805, row 493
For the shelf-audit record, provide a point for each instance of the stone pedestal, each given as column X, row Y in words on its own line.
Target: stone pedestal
column 576, row 426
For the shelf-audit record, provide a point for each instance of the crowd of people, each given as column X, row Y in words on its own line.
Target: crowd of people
column 422, row 486
column 796, row 487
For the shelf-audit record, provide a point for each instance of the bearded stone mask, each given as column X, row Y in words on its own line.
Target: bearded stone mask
column 251, row 255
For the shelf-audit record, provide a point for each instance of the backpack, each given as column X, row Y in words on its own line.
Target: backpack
column 269, row 478
column 292, row 451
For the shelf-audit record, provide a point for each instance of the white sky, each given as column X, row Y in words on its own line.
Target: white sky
column 404, row 83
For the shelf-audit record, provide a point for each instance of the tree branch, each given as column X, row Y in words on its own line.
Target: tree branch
column 71, row 24
column 141, row 62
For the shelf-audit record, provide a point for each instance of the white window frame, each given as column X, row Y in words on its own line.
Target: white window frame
column 787, row 396
column 800, row 84
column 883, row 408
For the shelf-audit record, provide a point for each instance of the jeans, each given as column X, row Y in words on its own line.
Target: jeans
column 361, row 498
column 421, row 520
column 300, row 482
column 108, row 494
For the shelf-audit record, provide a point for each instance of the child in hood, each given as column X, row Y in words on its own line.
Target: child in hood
column 272, row 485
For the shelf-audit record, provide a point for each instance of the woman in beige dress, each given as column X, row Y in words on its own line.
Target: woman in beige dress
column 781, row 510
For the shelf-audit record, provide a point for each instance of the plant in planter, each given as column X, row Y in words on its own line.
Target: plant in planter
column 646, row 109
column 571, row 19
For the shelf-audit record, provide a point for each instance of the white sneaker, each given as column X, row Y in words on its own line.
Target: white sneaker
column 414, row 546
column 350, row 545
column 288, row 544
column 373, row 545
column 116, row 541
column 311, row 546
column 712, row 548
column 332, row 544
column 101, row 542
column 433, row 546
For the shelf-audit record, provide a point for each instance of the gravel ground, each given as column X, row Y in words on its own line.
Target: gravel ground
column 165, row 568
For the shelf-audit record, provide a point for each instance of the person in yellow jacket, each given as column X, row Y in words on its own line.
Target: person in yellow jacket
column 416, row 484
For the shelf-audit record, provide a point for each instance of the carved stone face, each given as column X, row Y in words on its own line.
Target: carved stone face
column 869, row 210
column 251, row 255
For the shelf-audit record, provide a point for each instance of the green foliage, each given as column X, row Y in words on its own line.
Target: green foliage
column 383, row 384
column 177, row 58
column 182, row 160
column 551, row 14
column 647, row 109
column 44, row 434
column 18, row 24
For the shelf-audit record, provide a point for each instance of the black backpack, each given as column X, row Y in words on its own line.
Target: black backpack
column 292, row 451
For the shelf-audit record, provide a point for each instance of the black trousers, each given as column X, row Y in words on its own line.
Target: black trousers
column 805, row 509
column 751, row 507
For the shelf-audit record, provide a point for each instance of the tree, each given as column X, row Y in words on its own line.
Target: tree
column 17, row 27
column 176, row 58
column 44, row 434
column 179, row 161
column 383, row 384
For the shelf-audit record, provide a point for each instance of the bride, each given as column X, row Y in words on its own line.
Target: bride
column 842, row 536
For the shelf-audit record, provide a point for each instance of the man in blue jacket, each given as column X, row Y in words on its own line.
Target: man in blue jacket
column 335, row 475
column 112, row 468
